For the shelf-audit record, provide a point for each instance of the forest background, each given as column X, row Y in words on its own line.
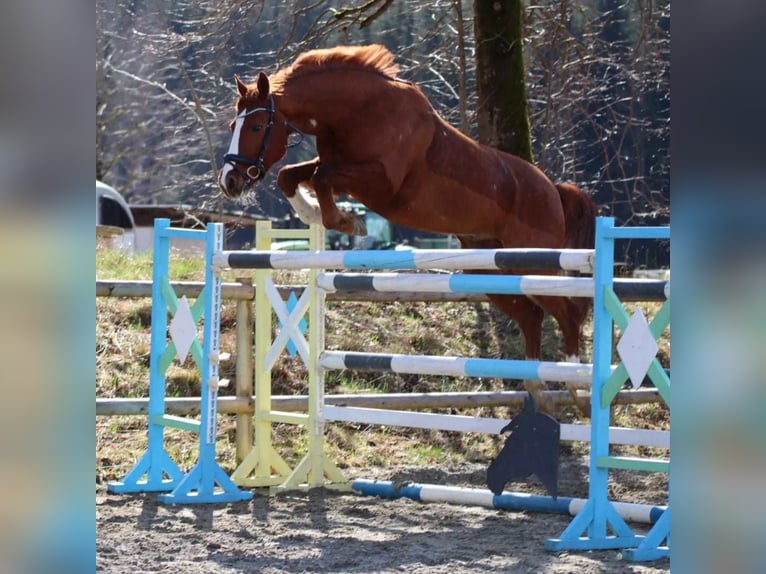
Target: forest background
column 596, row 73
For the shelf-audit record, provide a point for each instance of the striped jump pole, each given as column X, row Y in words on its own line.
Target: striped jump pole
column 543, row 285
column 424, row 259
column 574, row 373
column 515, row 501
column 579, row 373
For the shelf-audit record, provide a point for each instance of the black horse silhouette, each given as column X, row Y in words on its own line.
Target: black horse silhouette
column 531, row 448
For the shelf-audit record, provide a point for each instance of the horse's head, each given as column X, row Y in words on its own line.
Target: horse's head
column 523, row 418
column 259, row 138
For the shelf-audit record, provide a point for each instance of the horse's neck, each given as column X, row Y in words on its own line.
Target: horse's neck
column 317, row 96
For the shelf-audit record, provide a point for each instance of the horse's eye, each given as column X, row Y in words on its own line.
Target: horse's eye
column 256, row 128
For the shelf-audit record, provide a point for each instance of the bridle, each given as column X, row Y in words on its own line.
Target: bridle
column 255, row 169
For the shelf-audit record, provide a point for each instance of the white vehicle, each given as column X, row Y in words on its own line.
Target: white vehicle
column 113, row 213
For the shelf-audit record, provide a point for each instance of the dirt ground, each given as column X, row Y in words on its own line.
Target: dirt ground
column 324, row 531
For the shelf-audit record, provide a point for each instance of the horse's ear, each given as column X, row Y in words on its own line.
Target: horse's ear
column 263, row 85
column 241, row 88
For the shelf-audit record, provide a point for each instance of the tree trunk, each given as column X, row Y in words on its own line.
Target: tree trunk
column 465, row 125
column 500, row 78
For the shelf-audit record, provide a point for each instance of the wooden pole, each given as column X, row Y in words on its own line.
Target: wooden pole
column 245, row 376
column 185, row 406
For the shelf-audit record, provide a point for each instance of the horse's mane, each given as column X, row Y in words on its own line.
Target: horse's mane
column 373, row 58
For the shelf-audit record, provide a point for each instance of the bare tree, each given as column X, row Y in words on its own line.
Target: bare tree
column 158, row 119
column 599, row 100
column 164, row 79
column 596, row 78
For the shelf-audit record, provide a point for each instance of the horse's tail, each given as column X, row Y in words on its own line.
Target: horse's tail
column 580, row 216
column 580, row 219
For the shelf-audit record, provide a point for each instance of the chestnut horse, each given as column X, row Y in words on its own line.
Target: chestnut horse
column 379, row 140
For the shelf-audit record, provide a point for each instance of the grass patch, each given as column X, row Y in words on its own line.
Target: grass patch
column 123, row 266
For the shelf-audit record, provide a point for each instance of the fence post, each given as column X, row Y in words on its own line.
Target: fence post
column 245, row 377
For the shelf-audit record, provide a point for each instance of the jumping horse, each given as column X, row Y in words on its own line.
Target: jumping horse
column 379, row 140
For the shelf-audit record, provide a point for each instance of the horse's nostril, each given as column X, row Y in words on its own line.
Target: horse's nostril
column 231, row 183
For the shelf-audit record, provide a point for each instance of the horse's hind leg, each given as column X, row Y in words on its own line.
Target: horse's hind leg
column 570, row 313
column 529, row 317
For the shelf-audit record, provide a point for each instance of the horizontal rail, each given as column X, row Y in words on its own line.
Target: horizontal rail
column 177, row 422
column 400, row 297
column 634, row 463
column 286, row 417
column 462, row 423
column 246, row 292
column 626, row 289
column 459, row 283
column 446, row 259
column 542, row 285
column 638, row 232
column 516, row 501
column 458, row 366
column 188, row 406
column 183, row 233
column 139, row 289
column 577, row 373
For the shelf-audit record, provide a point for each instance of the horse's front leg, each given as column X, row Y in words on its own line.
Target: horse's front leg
column 364, row 181
column 295, row 182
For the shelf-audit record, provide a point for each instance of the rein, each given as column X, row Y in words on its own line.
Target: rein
column 256, row 165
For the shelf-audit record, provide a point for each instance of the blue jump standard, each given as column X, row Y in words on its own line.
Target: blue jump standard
column 206, row 482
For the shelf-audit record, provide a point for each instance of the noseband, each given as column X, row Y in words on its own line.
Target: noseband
column 255, row 169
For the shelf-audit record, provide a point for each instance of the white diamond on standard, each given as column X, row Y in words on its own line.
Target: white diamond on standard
column 637, row 348
column 183, row 329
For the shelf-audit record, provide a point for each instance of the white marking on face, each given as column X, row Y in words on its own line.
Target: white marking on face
column 234, row 144
column 572, row 359
column 313, row 123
